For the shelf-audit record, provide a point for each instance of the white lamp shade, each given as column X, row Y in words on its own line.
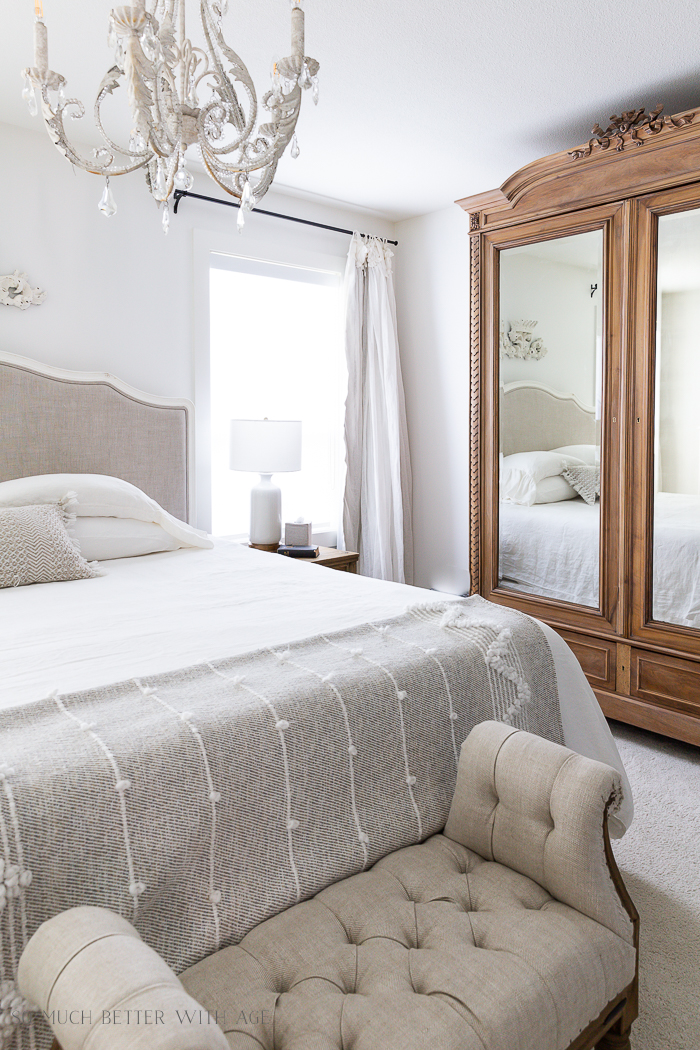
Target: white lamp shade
column 265, row 446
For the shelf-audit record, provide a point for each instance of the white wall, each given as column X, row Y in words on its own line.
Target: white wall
column 558, row 296
column 120, row 293
column 678, row 377
column 120, row 299
column 432, row 290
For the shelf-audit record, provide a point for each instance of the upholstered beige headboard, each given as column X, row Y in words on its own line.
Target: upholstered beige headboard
column 534, row 417
column 53, row 421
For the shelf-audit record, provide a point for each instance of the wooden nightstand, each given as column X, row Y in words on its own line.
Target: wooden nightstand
column 344, row 561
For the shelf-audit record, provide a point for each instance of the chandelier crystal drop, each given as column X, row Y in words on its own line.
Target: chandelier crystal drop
column 107, row 205
column 180, row 95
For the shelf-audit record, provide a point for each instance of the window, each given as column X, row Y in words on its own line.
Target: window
column 276, row 350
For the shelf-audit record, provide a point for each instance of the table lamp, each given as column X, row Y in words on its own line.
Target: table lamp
column 265, row 447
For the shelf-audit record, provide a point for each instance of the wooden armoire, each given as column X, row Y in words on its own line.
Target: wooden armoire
column 596, row 251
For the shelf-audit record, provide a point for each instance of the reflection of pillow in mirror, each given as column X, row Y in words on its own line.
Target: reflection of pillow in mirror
column 589, row 454
column 521, row 472
column 586, row 481
column 553, row 490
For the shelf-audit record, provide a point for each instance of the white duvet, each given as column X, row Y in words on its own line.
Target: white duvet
column 552, row 549
column 163, row 611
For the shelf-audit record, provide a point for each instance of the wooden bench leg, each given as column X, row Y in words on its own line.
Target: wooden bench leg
column 617, row 1037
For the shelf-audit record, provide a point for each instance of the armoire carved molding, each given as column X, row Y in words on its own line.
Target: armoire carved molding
column 623, row 183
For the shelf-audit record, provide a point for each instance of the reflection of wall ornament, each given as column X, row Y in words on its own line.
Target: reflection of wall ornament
column 520, row 341
column 625, row 130
column 15, row 290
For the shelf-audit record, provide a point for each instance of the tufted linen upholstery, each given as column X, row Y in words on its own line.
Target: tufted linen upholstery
column 433, row 948
column 539, row 808
column 457, row 943
column 505, row 933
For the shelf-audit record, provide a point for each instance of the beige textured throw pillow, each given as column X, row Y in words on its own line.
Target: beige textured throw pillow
column 35, row 546
column 586, row 481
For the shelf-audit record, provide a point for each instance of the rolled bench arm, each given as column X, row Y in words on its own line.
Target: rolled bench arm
column 541, row 810
column 94, row 979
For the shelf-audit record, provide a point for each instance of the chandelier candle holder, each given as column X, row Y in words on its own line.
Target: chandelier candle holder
column 180, row 96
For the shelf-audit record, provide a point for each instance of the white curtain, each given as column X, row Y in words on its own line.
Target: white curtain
column 376, row 517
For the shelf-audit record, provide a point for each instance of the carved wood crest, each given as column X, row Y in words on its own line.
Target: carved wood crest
column 15, row 290
column 627, row 129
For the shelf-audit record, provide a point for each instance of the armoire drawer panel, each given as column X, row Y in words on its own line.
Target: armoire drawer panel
column 666, row 680
column 596, row 656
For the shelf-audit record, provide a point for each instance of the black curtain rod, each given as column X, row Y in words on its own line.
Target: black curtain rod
column 179, row 194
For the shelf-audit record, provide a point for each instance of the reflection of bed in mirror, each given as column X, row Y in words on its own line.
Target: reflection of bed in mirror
column 548, row 549
column 551, row 549
column 532, row 413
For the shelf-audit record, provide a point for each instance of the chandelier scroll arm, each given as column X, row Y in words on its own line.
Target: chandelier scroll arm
column 166, row 113
column 110, row 82
column 163, row 75
column 216, row 42
column 53, row 121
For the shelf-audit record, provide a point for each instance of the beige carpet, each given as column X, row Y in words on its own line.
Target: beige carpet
column 659, row 858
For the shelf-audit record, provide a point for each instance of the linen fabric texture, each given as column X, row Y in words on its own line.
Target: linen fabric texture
column 533, row 417
column 35, row 547
column 52, row 424
column 103, row 496
column 554, row 490
column 376, row 519
column 521, row 473
column 433, row 947
column 588, row 454
column 437, row 945
column 103, row 539
column 200, row 802
column 95, row 961
column 586, row 481
column 440, row 944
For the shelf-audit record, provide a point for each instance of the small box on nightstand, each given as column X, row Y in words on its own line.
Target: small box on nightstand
column 297, row 533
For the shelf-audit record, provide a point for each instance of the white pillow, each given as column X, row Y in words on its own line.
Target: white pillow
column 553, row 490
column 100, row 496
column 102, row 539
column 521, row 472
column 588, row 454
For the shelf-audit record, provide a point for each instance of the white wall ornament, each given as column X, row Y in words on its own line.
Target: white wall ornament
column 520, row 341
column 15, row 290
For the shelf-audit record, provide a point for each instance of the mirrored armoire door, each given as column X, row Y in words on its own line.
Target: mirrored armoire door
column 551, row 409
column 666, row 551
column 585, row 376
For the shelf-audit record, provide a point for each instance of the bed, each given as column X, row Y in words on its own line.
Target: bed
column 157, row 612
column 133, row 622
column 216, row 607
column 552, row 548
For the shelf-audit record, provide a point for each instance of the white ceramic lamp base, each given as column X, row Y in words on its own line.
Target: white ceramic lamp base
column 265, row 514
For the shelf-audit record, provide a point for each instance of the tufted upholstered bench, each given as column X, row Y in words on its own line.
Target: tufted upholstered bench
column 510, row 931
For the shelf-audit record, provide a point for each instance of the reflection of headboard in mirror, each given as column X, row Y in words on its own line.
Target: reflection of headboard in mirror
column 59, row 422
column 534, row 417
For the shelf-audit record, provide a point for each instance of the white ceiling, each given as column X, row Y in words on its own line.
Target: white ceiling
column 422, row 101
column 578, row 249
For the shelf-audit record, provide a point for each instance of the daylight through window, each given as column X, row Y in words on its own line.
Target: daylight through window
column 276, row 351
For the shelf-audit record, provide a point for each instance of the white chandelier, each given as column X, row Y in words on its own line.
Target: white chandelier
column 179, row 96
